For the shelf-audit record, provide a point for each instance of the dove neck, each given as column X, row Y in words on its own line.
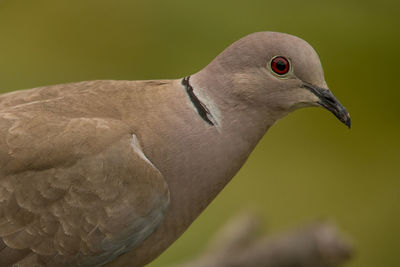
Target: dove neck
column 232, row 112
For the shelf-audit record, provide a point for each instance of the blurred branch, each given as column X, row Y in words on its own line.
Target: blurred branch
column 236, row 244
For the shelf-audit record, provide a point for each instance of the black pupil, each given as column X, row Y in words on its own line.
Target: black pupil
column 281, row 65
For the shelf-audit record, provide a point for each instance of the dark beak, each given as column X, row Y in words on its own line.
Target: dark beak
column 329, row 101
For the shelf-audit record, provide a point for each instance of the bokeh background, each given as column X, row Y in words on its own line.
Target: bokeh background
column 308, row 166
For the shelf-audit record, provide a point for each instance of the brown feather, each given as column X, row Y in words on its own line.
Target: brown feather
column 74, row 190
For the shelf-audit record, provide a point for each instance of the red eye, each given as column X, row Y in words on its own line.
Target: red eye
column 280, row 65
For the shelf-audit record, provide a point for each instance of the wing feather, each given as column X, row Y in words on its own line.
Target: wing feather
column 73, row 191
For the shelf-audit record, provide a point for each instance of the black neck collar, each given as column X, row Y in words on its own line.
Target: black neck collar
column 200, row 107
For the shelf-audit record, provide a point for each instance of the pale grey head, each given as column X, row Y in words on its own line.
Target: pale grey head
column 277, row 71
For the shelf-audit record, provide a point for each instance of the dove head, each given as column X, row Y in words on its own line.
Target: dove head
column 274, row 71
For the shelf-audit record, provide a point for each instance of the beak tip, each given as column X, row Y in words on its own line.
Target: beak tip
column 346, row 120
column 348, row 123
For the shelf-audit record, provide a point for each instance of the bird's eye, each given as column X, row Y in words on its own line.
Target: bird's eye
column 280, row 65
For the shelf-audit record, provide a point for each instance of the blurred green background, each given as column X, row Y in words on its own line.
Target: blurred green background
column 308, row 166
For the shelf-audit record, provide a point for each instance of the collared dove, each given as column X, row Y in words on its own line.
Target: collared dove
column 113, row 172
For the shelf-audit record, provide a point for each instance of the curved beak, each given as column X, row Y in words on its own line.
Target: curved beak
column 330, row 102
